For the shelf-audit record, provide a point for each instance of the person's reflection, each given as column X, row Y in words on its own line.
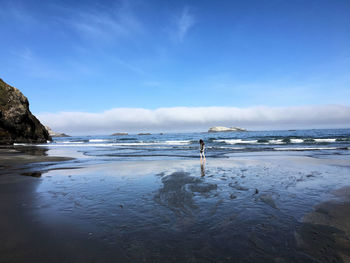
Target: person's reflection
column 202, row 168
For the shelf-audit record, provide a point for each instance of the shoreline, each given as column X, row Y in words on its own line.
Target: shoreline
column 64, row 209
column 13, row 158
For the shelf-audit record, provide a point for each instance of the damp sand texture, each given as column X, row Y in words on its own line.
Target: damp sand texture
column 240, row 209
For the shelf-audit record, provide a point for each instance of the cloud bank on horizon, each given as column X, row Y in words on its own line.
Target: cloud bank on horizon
column 182, row 119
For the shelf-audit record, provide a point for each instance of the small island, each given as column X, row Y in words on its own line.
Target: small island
column 119, row 133
column 225, row 129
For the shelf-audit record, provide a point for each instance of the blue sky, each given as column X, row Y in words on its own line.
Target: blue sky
column 94, row 56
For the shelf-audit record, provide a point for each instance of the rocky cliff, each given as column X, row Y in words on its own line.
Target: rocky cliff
column 17, row 123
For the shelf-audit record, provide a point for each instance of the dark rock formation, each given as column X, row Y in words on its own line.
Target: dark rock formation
column 17, row 123
column 119, row 133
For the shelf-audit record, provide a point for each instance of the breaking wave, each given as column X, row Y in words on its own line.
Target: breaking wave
column 216, row 145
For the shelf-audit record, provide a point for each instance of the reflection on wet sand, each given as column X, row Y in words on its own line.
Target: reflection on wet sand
column 202, row 168
column 32, row 174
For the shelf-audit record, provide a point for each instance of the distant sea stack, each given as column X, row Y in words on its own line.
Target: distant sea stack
column 119, row 133
column 17, row 123
column 225, row 129
column 55, row 134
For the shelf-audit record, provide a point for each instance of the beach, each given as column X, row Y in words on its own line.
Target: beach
column 175, row 131
column 61, row 204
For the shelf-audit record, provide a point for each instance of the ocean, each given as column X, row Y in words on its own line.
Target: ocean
column 218, row 145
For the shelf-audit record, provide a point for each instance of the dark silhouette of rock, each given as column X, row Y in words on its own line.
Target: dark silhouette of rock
column 17, row 123
column 119, row 133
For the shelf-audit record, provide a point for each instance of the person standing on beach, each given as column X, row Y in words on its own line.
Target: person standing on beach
column 201, row 149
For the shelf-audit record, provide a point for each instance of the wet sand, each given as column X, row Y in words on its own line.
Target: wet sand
column 329, row 226
column 248, row 208
column 23, row 238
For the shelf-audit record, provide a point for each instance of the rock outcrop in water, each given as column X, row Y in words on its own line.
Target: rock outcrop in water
column 225, row 129
column 17, row 123
column 55, row 134
column 119, row 133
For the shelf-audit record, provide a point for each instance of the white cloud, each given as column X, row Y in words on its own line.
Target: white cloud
column 35, row 66
column 184, row 22
column 197, row 119
column 102, row 23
